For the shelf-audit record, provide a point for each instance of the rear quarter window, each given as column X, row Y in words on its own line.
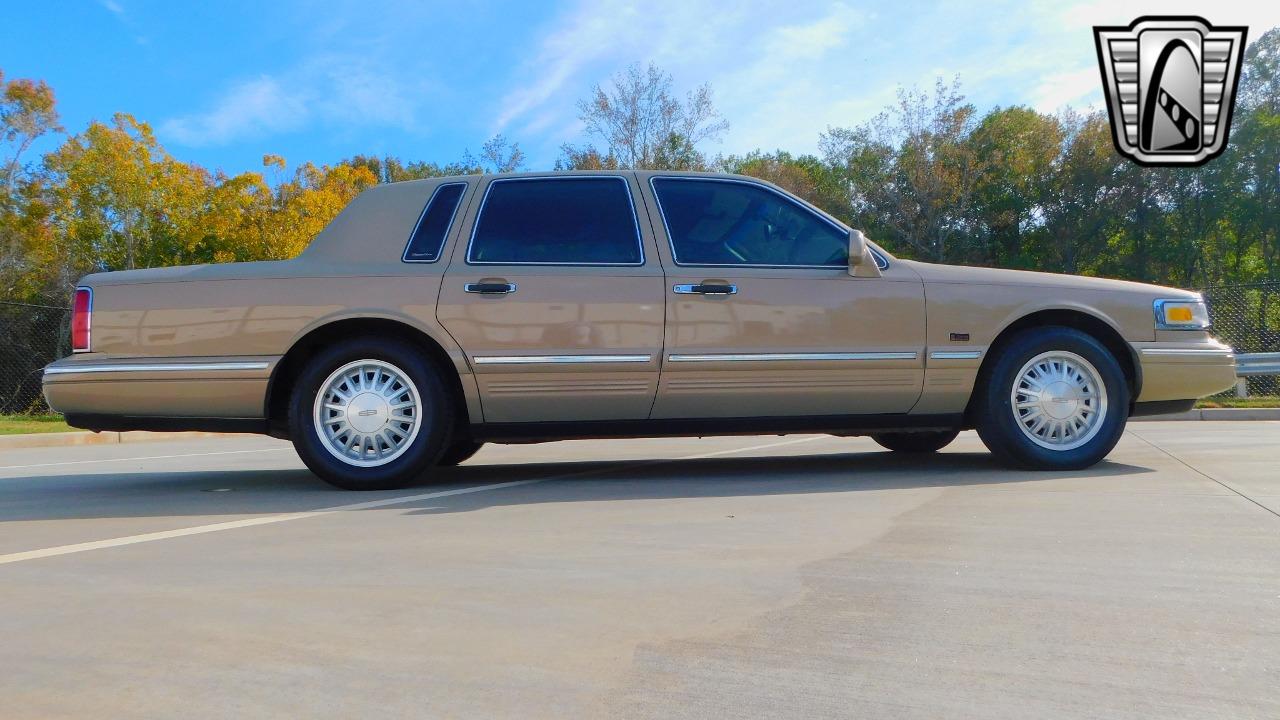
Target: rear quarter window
column 557, row 221
column 433, row 226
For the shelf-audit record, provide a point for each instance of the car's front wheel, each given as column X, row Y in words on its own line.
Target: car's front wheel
column 1054, row 399
column 369, row 414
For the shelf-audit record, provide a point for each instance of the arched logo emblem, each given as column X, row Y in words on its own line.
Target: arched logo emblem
column 1170, row 84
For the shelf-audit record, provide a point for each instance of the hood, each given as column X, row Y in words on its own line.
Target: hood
column 963, row 275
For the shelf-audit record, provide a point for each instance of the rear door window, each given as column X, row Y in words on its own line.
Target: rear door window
column 557, row 221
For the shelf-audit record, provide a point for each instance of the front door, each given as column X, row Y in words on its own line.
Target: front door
column 763, row 318
column 557, row 301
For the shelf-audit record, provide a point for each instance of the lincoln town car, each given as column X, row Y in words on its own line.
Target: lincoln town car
column 436, row 315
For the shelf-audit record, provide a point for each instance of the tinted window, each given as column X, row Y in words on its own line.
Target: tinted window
column 428, row 236
column 730, row 223
column 560, row 221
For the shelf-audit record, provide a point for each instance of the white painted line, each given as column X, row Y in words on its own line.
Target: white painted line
column 249, row 522
column 270, row 519
column 150, row 457
column 745, row 449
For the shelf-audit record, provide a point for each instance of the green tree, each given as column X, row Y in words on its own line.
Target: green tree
column 1255, row 150
column 911, row 172
column 1080, row 204
column 587, row 157
column 806, row 176
column 1017, row 150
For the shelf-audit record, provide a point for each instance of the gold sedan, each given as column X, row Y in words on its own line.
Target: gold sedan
column 436, row 315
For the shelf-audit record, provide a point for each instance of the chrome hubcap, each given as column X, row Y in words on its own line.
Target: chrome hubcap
column 1059, row 400
column 367, row 413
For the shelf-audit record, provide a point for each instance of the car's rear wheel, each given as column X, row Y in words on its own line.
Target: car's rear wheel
column 1054, row 399
column 916, row 442
column 459, row 451
column 369, row 414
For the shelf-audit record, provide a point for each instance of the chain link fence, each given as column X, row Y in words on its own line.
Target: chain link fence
column 1247, row 317
column 31, row 336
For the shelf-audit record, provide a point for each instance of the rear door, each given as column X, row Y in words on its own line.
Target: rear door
column 557, row 300
column 763, row 318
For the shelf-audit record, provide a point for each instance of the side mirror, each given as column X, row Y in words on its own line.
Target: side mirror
column 861, row 262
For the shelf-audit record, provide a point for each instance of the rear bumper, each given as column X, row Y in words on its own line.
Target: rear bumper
column 1184, row 371
column 89, row 386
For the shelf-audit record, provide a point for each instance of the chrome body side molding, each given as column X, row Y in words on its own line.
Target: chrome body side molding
column 1188, row 352
column 955, row 354
column 791, row 357
column 558, row 359
column 155, row 367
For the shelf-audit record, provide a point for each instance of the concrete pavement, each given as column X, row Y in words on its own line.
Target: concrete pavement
column 725, row 577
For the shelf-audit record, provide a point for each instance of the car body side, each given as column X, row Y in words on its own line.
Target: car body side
column 217, row 346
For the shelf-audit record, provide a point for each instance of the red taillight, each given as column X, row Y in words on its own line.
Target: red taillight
column 81, row 314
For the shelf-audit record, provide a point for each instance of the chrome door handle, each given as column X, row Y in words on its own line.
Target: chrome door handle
column 490, row 288
column 706, row 289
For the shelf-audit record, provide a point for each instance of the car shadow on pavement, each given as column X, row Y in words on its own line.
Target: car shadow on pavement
column 258, row 492
column 742, row 476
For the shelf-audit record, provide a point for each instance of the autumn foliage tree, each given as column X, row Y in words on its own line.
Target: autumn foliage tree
column 27, row 112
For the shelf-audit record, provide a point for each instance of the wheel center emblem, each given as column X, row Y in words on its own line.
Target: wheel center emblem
column 368, row 412
column 1060, row 402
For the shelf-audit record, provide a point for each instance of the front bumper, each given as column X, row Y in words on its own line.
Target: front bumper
column 1184, row 371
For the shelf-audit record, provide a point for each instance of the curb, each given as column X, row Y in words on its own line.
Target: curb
column 1217, row 414
column 70, row 439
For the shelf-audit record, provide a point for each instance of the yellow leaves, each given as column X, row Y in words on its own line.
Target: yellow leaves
column 247, row 219
column 27, row 109
column 121, row 201
column 111, row 197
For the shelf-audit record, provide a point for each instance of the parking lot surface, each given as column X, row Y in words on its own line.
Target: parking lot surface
column 800, row 576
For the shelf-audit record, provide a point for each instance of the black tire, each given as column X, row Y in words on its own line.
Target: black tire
column 422, row 451
column 916, row 442
column 459, row 451
column 1002, row 432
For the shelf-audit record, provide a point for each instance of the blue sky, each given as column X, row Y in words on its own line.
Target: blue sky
column 225, row 82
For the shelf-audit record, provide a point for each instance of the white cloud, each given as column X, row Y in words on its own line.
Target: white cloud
column 112, row 6
column 784, row 71
column 762, row 72
column 586, row 35
column 1079, row 89
column 797, row 86
column 1260, row 16
column 251, row 108
column 331, row 90
column 359, row 94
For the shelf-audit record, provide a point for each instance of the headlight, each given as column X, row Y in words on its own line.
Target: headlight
column 1181, row 315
